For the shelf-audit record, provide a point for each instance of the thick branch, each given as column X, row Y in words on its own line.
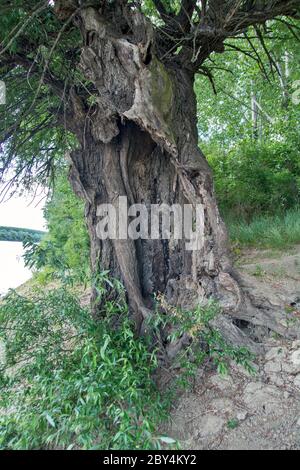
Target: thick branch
column 223, row 20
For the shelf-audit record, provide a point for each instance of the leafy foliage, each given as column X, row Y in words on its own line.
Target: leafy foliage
column 206, row 342
column 69, row 381
column 245, row 72
column 249, row 130
column 257, row 178
column 39, row 145
column 65, row 248
column 74, row 382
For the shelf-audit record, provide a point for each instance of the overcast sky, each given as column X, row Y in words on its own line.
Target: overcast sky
column 23, row 212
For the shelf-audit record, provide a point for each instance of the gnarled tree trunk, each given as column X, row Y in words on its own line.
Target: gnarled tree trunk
column 139, row 139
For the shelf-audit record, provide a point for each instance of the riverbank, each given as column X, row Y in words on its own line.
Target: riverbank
column 241, row 411
column 235, row 411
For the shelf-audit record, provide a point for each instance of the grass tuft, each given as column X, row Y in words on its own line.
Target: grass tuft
column 280, row 231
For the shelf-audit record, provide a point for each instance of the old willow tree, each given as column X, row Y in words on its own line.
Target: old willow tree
column 115, row 78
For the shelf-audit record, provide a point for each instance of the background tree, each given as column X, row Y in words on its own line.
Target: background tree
column 253, row 176
column 65, row 247
column 112, row 83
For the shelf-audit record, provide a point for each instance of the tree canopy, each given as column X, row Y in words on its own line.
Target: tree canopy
column 40, row 51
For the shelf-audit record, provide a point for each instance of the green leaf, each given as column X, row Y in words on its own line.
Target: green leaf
column 50, row 420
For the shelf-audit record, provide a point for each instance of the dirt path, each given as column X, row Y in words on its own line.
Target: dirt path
column 240, row 411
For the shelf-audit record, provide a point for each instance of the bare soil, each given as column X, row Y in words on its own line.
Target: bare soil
column 243, row 411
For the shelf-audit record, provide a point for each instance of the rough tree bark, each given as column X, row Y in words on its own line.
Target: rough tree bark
column 139, row 139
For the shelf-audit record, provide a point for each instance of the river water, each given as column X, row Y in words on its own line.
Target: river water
column 13, row 272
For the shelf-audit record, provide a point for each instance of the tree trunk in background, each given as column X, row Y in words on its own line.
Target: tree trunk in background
column 255, row 113
column 283, row 74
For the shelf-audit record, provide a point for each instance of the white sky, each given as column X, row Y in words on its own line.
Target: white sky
column 22, row 211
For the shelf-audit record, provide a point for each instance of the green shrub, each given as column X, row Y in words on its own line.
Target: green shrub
column 72, row 382
column 64, row 251
column 206, row 341
column 68, row 381
column 256, row 178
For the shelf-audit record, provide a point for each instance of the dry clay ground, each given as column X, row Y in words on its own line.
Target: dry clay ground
column 242, row 411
